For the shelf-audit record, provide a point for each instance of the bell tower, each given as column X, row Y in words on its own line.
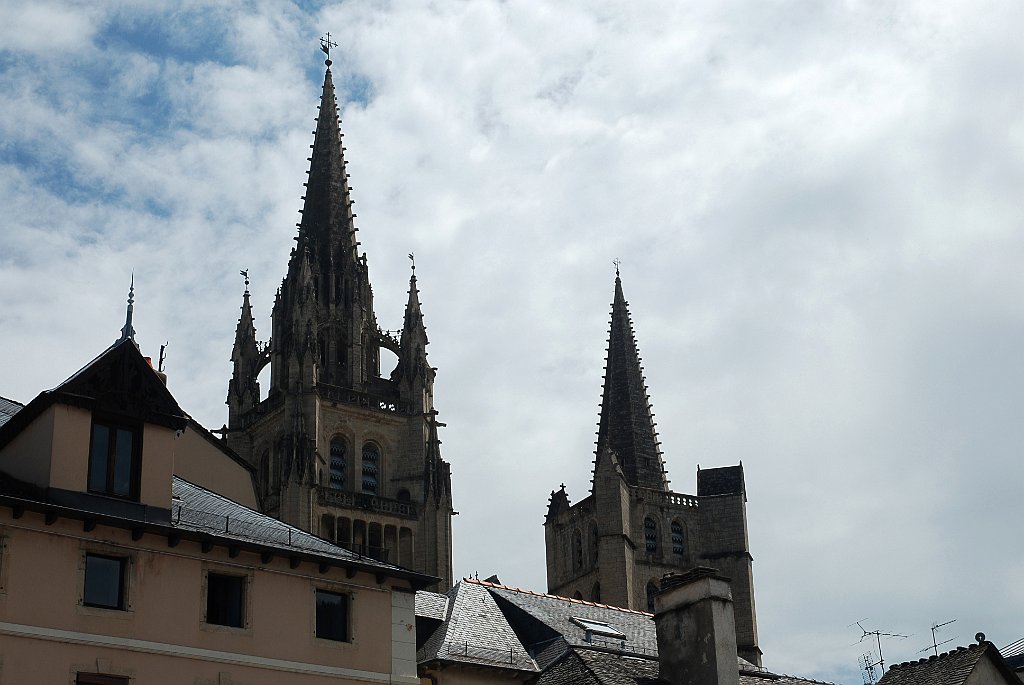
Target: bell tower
column 341, row 450
column 615, row 545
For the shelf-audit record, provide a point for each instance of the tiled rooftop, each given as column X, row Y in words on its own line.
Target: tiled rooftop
column 8, row 408
column 475, row 631
column 200, row 510
column 949, row 668
column 557, row 613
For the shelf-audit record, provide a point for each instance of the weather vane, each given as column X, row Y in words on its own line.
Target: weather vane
column 412, row 258
column 616, row 262
column 244, row 273
column 326, row 44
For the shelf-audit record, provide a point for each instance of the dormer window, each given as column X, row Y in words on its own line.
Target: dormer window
column 115, row 456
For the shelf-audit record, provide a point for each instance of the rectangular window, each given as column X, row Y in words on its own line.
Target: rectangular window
column 114, row 460
column 225, row 600
column 331, row 616
column 99, row 679
column 104, row 581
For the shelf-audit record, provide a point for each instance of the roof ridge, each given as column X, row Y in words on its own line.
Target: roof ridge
column 567, row 599
column 957, row 650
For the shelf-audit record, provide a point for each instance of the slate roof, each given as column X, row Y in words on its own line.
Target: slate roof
column 557, row 613
column 950, row 668
column 474, row 631
column 8, row 408
column 433, row 605
column 587, row 666
column 202, row 511
column 560, row 647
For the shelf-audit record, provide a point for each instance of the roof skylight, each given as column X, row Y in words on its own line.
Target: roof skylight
column 599, row 628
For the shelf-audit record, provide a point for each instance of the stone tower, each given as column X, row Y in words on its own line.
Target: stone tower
column 340, row 450
column 615, row 545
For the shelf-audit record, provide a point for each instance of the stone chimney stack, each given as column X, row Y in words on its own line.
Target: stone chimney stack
column 696, row 629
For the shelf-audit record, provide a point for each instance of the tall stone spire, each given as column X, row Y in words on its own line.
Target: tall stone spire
column 324, row 326
column 627, row 423
column 327, row 228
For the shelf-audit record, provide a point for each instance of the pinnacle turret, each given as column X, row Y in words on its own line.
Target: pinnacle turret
column 244, row 389
column 627, row 423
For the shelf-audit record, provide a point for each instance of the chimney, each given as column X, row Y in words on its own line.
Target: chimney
column 696, row 629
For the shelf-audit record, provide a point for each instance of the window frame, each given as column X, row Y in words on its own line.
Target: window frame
column 83, row 678
column 109, row 489
column 652, row 545
column 245, row 605
column 377, row 467
column 344, row 458
column 347, row 601
column 124, row 574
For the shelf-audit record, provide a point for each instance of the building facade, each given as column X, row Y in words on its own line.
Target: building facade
column 115, row 569
column 615, row 545
column 339, row 449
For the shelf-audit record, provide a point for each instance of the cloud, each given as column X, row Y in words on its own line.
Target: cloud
column 815, row 205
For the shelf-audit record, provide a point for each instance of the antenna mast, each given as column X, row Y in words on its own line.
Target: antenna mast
column 878, row 635
column 934, row 646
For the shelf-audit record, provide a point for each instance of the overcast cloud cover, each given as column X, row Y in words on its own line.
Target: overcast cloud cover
column 817, row 205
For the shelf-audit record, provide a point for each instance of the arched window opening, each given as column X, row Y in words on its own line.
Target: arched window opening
column 595, row 544
column 595, row 594
column 652, row 589
column 376, row 542
column 327, row 527
column 650, row 535
column 577, row 550
column 265, row 471
column 404, row 496
column 405, row 547
column 371, row 465
column 359, row 536
column 338, row 463
column 577, row 595
column 345, row 532
column 678, row 539
column 390, row 545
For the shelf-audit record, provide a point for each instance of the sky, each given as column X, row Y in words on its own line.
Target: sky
column 816, row 205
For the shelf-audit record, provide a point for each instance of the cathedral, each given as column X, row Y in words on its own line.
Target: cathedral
column 340, row 449
column 353, row 455
column 616, row 545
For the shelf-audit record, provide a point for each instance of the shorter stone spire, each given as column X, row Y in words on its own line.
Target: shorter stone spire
column 627, row 422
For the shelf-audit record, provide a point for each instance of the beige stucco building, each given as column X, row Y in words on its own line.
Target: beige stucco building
column 120, row 563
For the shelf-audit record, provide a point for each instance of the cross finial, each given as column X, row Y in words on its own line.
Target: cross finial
column 412, row 258
column 616, row 262
column 326, row 44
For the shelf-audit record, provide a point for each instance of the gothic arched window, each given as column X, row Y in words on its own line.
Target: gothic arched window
column 265, row 470
column 577, row 550
column 371, row 467
column 650, row 535
column 652, row 589
column 595, row 593
column 678, row 539
column 595, row 544
column 338, row 463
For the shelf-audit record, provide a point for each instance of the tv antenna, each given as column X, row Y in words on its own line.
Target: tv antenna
column 867, row 666
column 934, row 646
column 878, row 635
